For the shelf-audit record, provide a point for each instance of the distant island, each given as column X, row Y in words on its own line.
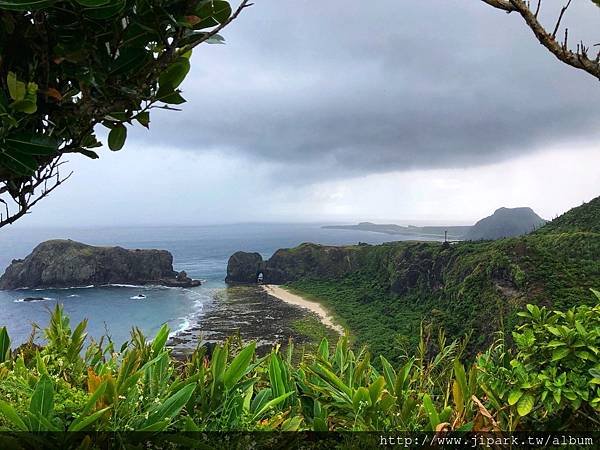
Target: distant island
column 66, row 263
column 505, row 222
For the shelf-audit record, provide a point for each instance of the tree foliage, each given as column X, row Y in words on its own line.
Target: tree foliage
column 67, row 66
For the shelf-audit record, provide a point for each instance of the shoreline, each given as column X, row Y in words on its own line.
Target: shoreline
column 286, row 296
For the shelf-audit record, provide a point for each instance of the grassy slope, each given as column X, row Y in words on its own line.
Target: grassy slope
column 471, row 285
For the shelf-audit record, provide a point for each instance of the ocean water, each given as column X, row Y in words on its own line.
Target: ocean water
column 201, row 251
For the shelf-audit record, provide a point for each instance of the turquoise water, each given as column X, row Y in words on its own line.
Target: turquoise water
column 201, row 251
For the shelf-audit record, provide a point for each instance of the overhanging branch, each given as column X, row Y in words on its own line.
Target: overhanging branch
column 578, row 58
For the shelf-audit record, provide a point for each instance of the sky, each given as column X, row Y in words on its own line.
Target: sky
column 428, row 111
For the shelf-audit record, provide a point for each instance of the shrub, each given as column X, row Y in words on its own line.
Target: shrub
column 550, row 381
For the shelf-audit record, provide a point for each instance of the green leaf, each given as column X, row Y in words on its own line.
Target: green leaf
column 323, row 349
column 361, row 399
column 390, row 375
column 582, row 354
column 129, row 60
column 32, row 144
column 42, row 400
column 89, row 153
column 25, row 106
column 271, row 404
column 459, row 400
column 434, row 418
column 445, row 414
column 12, row 416
column 174, row 98
column 16, row 88
column 117, row 137
column 171, row 406
column 143, row 118
column 261, row 399
column 212, row 12
column 525, row 405
column 560, row 353
column 292, row 424
column 276, row 375
column 217, row 366
column 376, row 388
column 238, row 366
column 461, row 378
column 19, row 163
column 331, row 378
column 189, row 425
column 85, row 422
column 221, row 10
column 117, row 116
column 514, row 396
column 159, row 341
column 555, row 331
column 4, row 345
column 173, row 76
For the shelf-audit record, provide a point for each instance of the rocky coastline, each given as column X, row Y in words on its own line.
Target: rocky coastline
column 286, row 265
column 66, row 263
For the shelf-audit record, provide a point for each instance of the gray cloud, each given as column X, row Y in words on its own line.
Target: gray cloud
column 342, row 88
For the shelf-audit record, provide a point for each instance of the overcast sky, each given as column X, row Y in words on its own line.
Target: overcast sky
column 339, row 111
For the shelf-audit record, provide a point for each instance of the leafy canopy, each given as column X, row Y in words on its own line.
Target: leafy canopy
column 66, row 66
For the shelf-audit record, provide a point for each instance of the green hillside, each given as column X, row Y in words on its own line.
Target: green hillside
column 582, row 218
column 475, row 286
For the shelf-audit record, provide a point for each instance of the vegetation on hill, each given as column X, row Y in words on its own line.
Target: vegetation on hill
column 550, row 381
column 585, row 218
column 468, row 287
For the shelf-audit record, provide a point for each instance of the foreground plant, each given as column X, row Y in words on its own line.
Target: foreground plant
column 552, row 376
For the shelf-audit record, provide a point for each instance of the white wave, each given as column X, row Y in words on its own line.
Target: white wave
column 193, row 317
column 137, row 286
column 57, row 288
column 138, row 297
column 183, row 326
column 33, row 300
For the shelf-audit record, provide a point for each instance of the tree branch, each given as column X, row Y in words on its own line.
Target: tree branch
column 504, row 5
column 245, row 4
column 25, row 198
column 578, row 59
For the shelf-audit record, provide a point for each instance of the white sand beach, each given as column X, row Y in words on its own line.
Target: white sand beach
column 293, row 299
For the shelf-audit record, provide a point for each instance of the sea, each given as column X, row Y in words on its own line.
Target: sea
column 202, row 251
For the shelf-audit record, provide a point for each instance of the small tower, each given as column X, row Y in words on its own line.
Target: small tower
column 446, row 244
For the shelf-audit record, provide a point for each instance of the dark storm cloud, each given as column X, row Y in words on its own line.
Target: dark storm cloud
column 347, row 87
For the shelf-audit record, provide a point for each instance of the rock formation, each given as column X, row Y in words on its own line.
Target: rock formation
column 244, row 267
column 505, row 222
column 66, row 263
column 306, row 260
